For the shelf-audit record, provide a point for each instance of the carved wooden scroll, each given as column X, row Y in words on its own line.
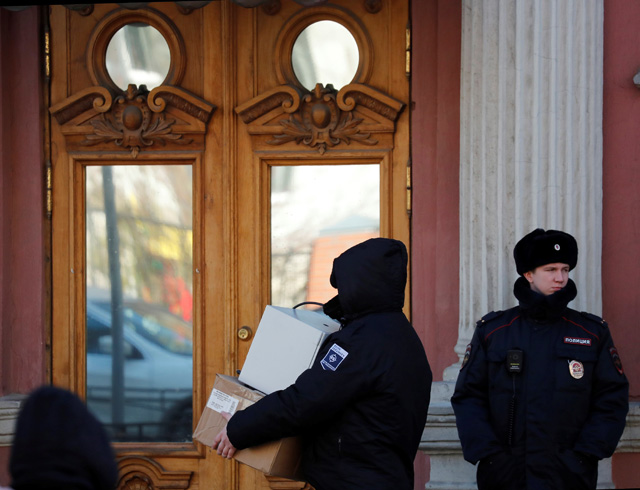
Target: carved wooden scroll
column 166, row 118
column 138, row 473
column 323, row 118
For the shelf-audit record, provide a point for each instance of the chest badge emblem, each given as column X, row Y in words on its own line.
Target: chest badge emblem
column 576, row 369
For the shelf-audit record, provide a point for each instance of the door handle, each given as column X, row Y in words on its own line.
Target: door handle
column 245, row 333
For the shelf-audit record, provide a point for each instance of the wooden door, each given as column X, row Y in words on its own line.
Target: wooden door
column 227, row 182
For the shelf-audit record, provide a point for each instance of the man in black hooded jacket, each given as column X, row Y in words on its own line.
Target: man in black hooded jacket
column 60, row 445
column 362, row 406
column 541, row 395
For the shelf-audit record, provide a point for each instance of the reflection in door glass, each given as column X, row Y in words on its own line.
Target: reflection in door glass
column 325, row 52
column 139, row 236
column 138, row 54
column 317, row 212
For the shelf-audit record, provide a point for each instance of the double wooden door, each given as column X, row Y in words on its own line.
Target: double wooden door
column 209, row 159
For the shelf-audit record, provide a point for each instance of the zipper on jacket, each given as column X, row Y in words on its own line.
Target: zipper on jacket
column 340, row 445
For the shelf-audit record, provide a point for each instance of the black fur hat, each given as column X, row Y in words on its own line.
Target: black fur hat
column 542, row 247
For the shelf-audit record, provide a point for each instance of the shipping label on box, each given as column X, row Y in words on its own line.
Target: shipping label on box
column 221, row 402
column 286, row 343
column 278, row 458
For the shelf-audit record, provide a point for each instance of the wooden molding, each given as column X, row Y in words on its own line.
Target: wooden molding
column 165, row 118
column 277, row 483
column 139, row 473
column 323, row 118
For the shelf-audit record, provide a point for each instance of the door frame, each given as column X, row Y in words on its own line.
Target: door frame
column 231, row 158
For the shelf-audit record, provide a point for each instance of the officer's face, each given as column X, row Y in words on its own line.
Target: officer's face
column 549, row 278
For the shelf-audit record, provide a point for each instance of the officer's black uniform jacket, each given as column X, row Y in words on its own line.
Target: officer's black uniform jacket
column 562, row 423
column 362, row 417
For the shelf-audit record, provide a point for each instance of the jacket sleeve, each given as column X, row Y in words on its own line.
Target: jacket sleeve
column 470, row 403
column 609, row 403
column 317, row 395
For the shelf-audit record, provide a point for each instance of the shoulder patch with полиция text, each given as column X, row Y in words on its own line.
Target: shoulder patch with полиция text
column 334, row 358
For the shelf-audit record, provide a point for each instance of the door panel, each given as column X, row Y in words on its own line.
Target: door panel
column 232, row 125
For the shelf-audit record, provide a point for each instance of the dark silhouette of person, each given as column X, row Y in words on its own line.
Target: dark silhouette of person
column 59, row 444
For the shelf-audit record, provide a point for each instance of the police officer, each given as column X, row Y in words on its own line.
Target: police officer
column 362, row 406
column 541, row 395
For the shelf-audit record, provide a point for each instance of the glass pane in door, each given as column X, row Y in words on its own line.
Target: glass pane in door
column 139, row 256
column 317, row 212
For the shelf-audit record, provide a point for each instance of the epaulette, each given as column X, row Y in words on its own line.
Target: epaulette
column 489, row 316
column 594, row 318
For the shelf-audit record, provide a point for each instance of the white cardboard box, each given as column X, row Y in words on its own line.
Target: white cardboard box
column 286, row 343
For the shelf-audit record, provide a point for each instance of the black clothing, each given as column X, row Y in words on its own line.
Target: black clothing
column 571, row 397
column 59, row 444
column 362, row 412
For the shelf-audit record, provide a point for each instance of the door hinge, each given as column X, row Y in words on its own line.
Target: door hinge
column 409, row 188
column 407, row 66
column 48, row 190
column 47, row 54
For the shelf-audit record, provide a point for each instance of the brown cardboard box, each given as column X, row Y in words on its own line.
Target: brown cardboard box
column 277, row 458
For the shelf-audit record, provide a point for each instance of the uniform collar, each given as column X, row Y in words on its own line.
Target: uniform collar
column 539, row 307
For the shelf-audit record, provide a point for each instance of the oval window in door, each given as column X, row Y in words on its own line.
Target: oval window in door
column 138, row 54
column 325, row 52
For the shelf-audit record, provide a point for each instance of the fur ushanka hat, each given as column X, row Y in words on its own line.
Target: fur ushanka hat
column 542, row 247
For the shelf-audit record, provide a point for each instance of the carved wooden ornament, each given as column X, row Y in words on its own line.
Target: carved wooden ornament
column 323, row 118
column 139, row 473
column 277, row 483
column 165, row 118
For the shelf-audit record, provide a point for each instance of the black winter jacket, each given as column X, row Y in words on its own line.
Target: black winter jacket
column 362, row 406
column 570, row 403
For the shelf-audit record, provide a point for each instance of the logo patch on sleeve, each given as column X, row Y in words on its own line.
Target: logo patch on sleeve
column 617, row 362
column 577, row 341
column 467, row 356
column 334, row 358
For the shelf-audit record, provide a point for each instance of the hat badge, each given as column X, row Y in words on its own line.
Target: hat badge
column 557, row 246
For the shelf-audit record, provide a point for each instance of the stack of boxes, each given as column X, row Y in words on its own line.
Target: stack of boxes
column 286, row 343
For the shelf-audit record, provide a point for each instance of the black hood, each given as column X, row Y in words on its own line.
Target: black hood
column 370, row 277
column 59, row 444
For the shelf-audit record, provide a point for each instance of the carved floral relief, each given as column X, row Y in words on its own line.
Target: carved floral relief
column 130, row 124
column 141, row 473
column 135, row 121
column 320, row 123
column 323, row 118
